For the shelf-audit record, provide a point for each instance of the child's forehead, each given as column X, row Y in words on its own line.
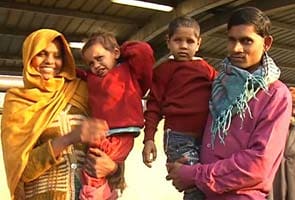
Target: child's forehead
column 95, row 50
column 97, row 46
column 184, row 30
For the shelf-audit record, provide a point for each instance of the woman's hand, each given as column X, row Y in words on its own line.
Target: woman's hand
column 93, row 130
column 98, row 164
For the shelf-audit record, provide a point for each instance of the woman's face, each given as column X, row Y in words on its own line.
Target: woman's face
column 48, row 62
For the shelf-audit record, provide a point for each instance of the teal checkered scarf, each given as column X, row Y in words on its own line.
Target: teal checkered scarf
column 233, row 89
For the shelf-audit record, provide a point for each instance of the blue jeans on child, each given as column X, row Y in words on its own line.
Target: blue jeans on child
column 178, row 145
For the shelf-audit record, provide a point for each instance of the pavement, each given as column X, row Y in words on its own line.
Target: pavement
column 145, row 183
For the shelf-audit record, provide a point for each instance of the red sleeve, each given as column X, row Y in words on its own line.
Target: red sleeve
column 140, row 57
column 81, row 74
column 153, row 114
column 212, row 71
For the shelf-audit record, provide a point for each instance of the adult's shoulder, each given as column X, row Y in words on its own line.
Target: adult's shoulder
column 82, row 84
column 13, row 94
column 279, row 91
column 278, row 87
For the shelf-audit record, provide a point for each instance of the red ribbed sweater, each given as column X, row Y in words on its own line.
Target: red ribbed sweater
column 117, row 96
column 180, row 93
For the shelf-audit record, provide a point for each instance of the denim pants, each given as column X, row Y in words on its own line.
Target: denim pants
column 178, row 145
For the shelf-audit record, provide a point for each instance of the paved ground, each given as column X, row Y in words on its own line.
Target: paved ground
column 148, row 183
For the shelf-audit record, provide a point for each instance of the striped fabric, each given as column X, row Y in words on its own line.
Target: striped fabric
column 233, row 89
column 61, row 177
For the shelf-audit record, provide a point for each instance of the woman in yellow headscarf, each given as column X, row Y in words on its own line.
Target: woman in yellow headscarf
column 43, row 123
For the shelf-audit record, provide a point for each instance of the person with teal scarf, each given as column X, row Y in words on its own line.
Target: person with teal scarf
column 247, row 128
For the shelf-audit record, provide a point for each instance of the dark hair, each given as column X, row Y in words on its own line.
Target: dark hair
column 106, row 39
column 61, row 43
column 62, row 48
column 251, row 16
column 183, row 22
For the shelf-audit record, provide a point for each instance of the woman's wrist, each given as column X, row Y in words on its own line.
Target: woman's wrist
column 60, row 143
column 73, row 137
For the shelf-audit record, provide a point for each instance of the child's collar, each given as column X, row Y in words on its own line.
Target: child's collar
column 171, row 57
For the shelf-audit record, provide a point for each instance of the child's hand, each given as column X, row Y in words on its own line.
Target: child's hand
column 93, row 131
column 149, row 153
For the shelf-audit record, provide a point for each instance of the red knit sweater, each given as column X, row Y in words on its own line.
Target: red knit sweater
column 117, row 96
column 180, row 93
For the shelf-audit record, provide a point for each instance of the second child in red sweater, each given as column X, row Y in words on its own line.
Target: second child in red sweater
column 117, row 80
column 180, row 94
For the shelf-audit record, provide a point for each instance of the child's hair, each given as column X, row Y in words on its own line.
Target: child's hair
column 106, row 39
column 251, row 16
column 183, row 22
column 117, row 180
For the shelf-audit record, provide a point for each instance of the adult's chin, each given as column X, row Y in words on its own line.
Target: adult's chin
column 47, row 76
column 239, row 63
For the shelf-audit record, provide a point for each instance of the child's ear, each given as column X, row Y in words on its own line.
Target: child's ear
column 117, row 53
column 267, row 42
column 167, row 41
column 199, row 41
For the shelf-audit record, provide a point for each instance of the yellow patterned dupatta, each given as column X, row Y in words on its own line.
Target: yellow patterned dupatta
column 29, row 110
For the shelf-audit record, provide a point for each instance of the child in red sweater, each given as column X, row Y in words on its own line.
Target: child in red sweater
column 180, row 94
column 115, row 94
